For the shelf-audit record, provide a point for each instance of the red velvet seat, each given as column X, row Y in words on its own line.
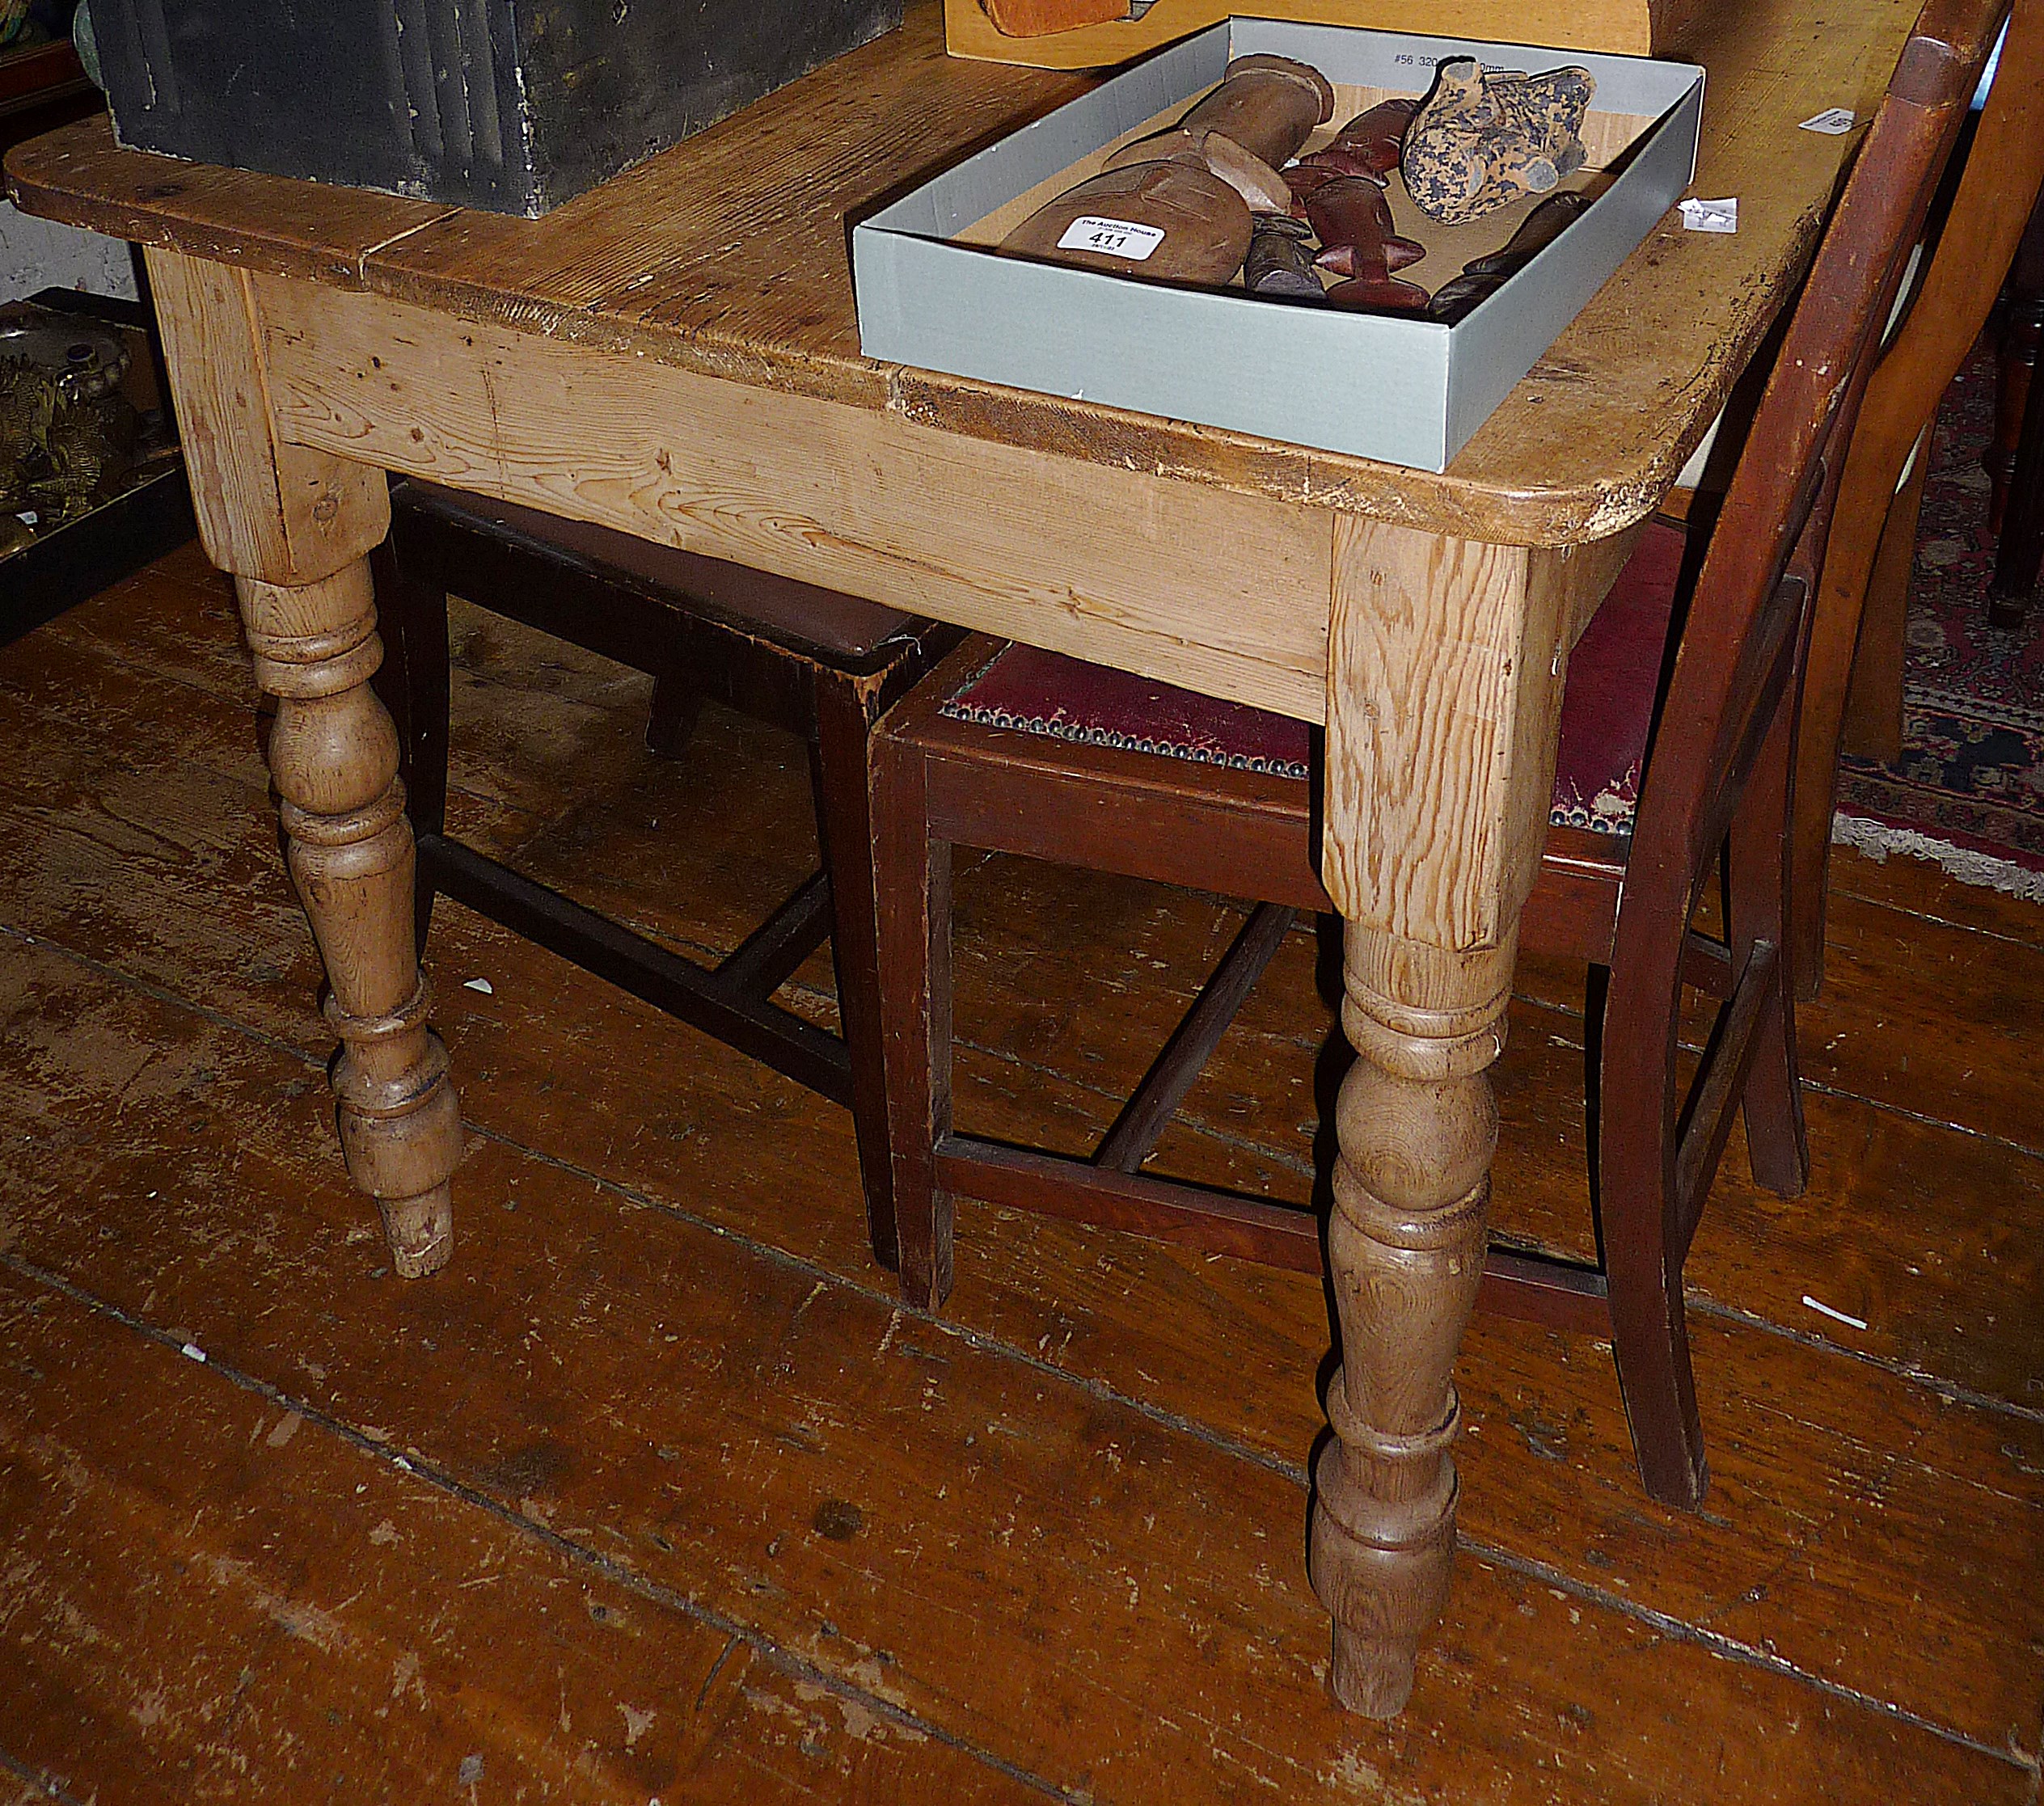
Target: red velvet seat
column 1607, row 716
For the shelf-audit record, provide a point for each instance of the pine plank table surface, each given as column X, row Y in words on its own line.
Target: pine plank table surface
column 675, row 354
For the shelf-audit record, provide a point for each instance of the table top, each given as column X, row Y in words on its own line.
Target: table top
column 729, row 255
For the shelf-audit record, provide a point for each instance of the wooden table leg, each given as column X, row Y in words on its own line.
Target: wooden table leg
column 1417, row 1124
column 293, row 527
column 1443, row 698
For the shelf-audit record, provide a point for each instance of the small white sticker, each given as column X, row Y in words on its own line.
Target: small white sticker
column 192, row 1351
column 1837, row 121
column 1111, row 238
column 28, row 516
column 1711, row 216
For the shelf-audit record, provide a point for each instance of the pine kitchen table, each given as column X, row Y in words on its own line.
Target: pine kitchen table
column 675, row 355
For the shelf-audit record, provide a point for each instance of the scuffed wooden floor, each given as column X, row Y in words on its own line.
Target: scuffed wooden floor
column 655, row 1495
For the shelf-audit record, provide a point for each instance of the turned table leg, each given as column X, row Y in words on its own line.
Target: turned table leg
column 333, row 754
column 293, row 527
column 1444, row 685
column 1417, row 1124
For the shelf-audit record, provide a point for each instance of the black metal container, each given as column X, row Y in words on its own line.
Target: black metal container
column 511, row 105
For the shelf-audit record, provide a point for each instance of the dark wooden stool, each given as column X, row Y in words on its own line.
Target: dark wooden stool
column 821, row 665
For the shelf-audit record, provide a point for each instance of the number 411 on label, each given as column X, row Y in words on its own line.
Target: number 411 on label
column 1111, row 238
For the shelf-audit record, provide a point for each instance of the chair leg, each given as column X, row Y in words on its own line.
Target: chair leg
column 2016, row 360
column 1873, row 728
column 413, row 683
column 1636, row 1221
column 840, row 770
column 1761, row 909
column 1851, row 696
column 1643, row 1266
column 2021, row 550
column 912, row 884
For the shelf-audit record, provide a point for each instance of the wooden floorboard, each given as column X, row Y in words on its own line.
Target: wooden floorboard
column 660, row 1443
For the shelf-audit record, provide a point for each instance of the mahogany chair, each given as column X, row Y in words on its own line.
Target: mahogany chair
column 820, row 664
column 2016, row 460
column 1856, row 642
column 1027, row 753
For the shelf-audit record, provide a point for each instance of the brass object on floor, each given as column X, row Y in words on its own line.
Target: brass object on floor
column 67, row 436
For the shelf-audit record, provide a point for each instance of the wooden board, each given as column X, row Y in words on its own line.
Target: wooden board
column 261, row 1574
column 1078, row 1496
column 726, row 256
column 1001, row 538
column 863, row 1491
column 1631, row 27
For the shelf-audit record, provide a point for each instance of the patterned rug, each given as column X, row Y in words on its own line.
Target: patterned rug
column 1969, row 791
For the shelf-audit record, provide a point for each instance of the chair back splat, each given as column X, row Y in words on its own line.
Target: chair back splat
column 1996, row 193
column 1027, row 753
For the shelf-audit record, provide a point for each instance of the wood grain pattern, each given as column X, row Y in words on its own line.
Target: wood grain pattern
column 1416, row 1124
column 293, row 527
column 267, row 508
column 789, row 1419
column 1115, row 565
column 725, row 256
column 262, row 1575
column 1444, row 688
column 1863, row 1526
column 1426, row 1020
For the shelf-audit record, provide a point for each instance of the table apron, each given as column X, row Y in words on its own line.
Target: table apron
column 1443, row 705
column 1221, row 593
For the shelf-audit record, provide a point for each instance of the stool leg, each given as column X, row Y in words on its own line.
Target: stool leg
column 412, row 606
column 840, row 772
column 912, row 895
column 677, row 708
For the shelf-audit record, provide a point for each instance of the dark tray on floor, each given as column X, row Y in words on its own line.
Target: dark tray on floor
column 60, row 569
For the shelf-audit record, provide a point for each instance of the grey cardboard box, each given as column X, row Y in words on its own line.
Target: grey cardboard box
column 1404, row 391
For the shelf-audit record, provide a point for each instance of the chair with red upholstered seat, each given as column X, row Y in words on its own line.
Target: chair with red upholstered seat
column 1676, row 746
column 1009, row 748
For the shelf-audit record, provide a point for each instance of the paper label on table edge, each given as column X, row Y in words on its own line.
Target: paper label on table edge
column 1711, row 216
